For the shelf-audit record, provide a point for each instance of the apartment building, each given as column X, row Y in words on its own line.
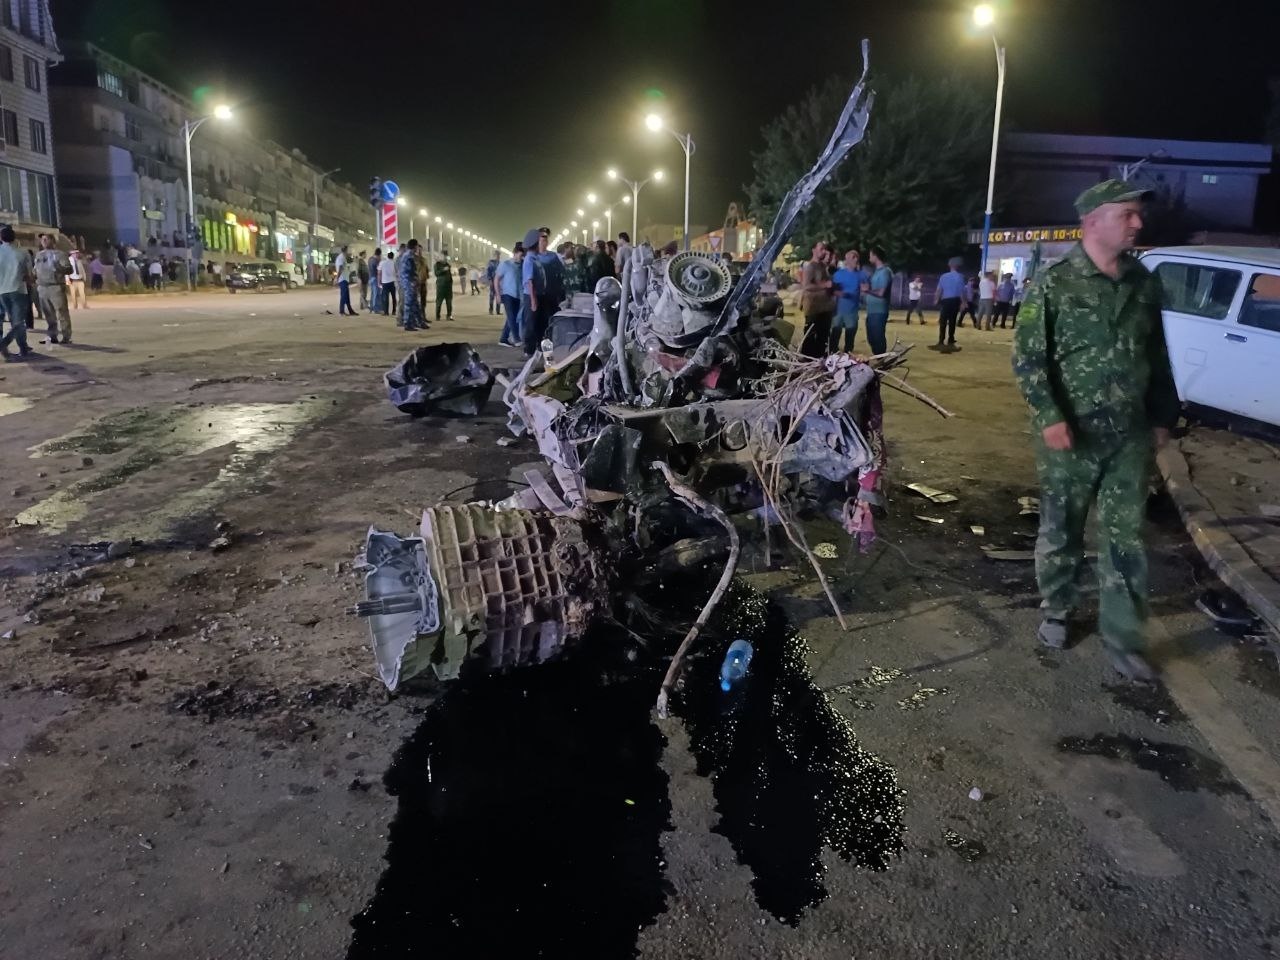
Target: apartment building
column 121, row 155
column 28, row 47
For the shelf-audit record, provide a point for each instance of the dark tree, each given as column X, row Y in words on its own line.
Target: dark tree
column 913, row 186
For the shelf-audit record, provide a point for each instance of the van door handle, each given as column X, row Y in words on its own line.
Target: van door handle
column 1236, row 337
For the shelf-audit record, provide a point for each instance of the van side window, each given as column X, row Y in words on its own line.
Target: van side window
column 1261, row 307
column 1199, row 290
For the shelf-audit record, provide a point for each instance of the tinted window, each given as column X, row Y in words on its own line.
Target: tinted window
column 1199, row 290
column 1261, row 307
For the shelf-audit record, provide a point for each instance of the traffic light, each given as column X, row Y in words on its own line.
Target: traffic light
column 375, row 192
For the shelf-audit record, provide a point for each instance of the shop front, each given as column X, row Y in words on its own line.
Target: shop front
column 1022, row 251
column 233, row 235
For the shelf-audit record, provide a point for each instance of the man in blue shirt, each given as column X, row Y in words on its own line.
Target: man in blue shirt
column 951, row 288
column 1004, row 298
column 507, row 281
column 879, row 290
column 849, row 281
column 542, row 275
column 15, row 270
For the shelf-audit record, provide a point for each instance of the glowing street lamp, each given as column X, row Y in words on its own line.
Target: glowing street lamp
column 634, row 199
column 220, row 112
column 984, row 16
column 656, row 123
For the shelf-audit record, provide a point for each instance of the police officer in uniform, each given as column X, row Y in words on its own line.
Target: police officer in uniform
column 1090, row 359
column 52, row 269
column 410, row 304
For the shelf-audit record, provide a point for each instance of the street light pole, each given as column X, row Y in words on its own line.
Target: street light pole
column 655, row 122
column 984, row 16
column 635, row 197
column 188, row 131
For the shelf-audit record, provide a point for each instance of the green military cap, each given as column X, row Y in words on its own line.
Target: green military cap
column 1109, row 191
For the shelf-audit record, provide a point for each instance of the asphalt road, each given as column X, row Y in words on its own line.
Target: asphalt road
column 192, row 745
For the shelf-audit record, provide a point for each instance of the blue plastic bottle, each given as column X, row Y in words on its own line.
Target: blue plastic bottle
column 736, row 663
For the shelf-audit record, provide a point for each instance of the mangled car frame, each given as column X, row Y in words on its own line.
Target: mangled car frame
column 663, row 390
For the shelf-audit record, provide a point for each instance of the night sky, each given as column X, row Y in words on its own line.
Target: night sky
column 502, row 115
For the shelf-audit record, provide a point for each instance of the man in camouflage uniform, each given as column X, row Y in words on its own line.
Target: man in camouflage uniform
column 1091, row 362
column 52, row 269
column 408, row 266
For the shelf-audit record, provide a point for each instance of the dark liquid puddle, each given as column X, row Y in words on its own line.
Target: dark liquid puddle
column 789, row 775
column 1181, row 767
column 531, row 806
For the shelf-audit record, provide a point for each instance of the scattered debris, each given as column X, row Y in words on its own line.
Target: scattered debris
column 921, row 516
column 917, row 699
column 825, row 551
column 145, row 844
column 976, row 795
column 1015, row 556
column 219, row 543
column 965, row 848
column 978, row 530
column 462, row 438
column 9, row 635
column 447, row 376
column 932, row 493
column 1228, row 612
column 1029, row 506
column 506, row 441
column 879, row 677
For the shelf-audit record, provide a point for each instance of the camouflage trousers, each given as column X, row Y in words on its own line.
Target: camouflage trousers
column 411, row 317
column 1113, row 474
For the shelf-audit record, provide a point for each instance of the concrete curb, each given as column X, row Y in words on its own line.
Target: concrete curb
column 1224, row 554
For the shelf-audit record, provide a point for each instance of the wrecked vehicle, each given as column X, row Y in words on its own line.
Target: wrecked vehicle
column 665, row 393
column 448, row 377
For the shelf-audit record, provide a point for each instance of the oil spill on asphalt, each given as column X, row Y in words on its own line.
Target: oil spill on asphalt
column 11, row 404
column 1152, row 701
column 155, row 437
column 531, row 807
column 789, row 776
column 1179, row 766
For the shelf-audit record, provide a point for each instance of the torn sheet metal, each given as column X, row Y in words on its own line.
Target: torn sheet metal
column 446, row 377
column 932, row 493
column 509, row 586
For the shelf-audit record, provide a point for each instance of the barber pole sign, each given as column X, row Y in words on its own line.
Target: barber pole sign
column 390, row 225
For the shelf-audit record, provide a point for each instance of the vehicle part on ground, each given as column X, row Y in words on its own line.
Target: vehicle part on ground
column 512, row 586
column 401, row 603
column 448, row 377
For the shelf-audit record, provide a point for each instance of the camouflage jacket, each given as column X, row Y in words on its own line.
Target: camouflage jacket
column 407, row 267
column 51, row 266
column 1090, row 351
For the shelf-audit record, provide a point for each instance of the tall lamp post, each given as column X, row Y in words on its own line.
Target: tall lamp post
column 634, row 199
column 984, row 15
column 656, row 123
column 440, row 224
column 220, row 112
column 317, row 179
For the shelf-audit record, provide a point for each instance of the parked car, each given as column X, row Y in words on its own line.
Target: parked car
column 297, row 276
column 256, row 276
column 1222, row 325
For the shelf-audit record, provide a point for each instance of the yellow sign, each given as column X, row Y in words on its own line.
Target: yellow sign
column 1066, row 234
column 229, row 217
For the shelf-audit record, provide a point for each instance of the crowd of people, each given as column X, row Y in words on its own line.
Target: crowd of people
column 834, row 291
column 527, row 287
column 44, row 284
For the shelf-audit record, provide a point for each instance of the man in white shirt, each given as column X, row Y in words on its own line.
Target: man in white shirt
column 343, row 267
column 387, row 280
column 986, row 301
column 75, row 281
column 914, row 291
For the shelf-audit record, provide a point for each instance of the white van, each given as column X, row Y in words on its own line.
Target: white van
column 297, row 276
column 1222, row 324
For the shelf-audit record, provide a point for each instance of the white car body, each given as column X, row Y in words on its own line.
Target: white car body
column 297, row 276
column 1222, row 325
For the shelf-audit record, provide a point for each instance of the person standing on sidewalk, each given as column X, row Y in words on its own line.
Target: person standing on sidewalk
column 490, row 278
column 879, row 291
column 1091, row 362
column 444, row 286
column 914, row 291
column 848, row 282
column 343, row 280
column 986, row 302
column 375, row 281
column 1004, row 297
column 387, row 281
column 817, row 301
column 75, row 281
column 52, row 268
column 951, row 288
column 410, row 306
column 507, row 281
column 15, row 271
column 362, row 274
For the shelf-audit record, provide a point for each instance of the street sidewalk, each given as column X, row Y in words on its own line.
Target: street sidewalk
column 1227, row 489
